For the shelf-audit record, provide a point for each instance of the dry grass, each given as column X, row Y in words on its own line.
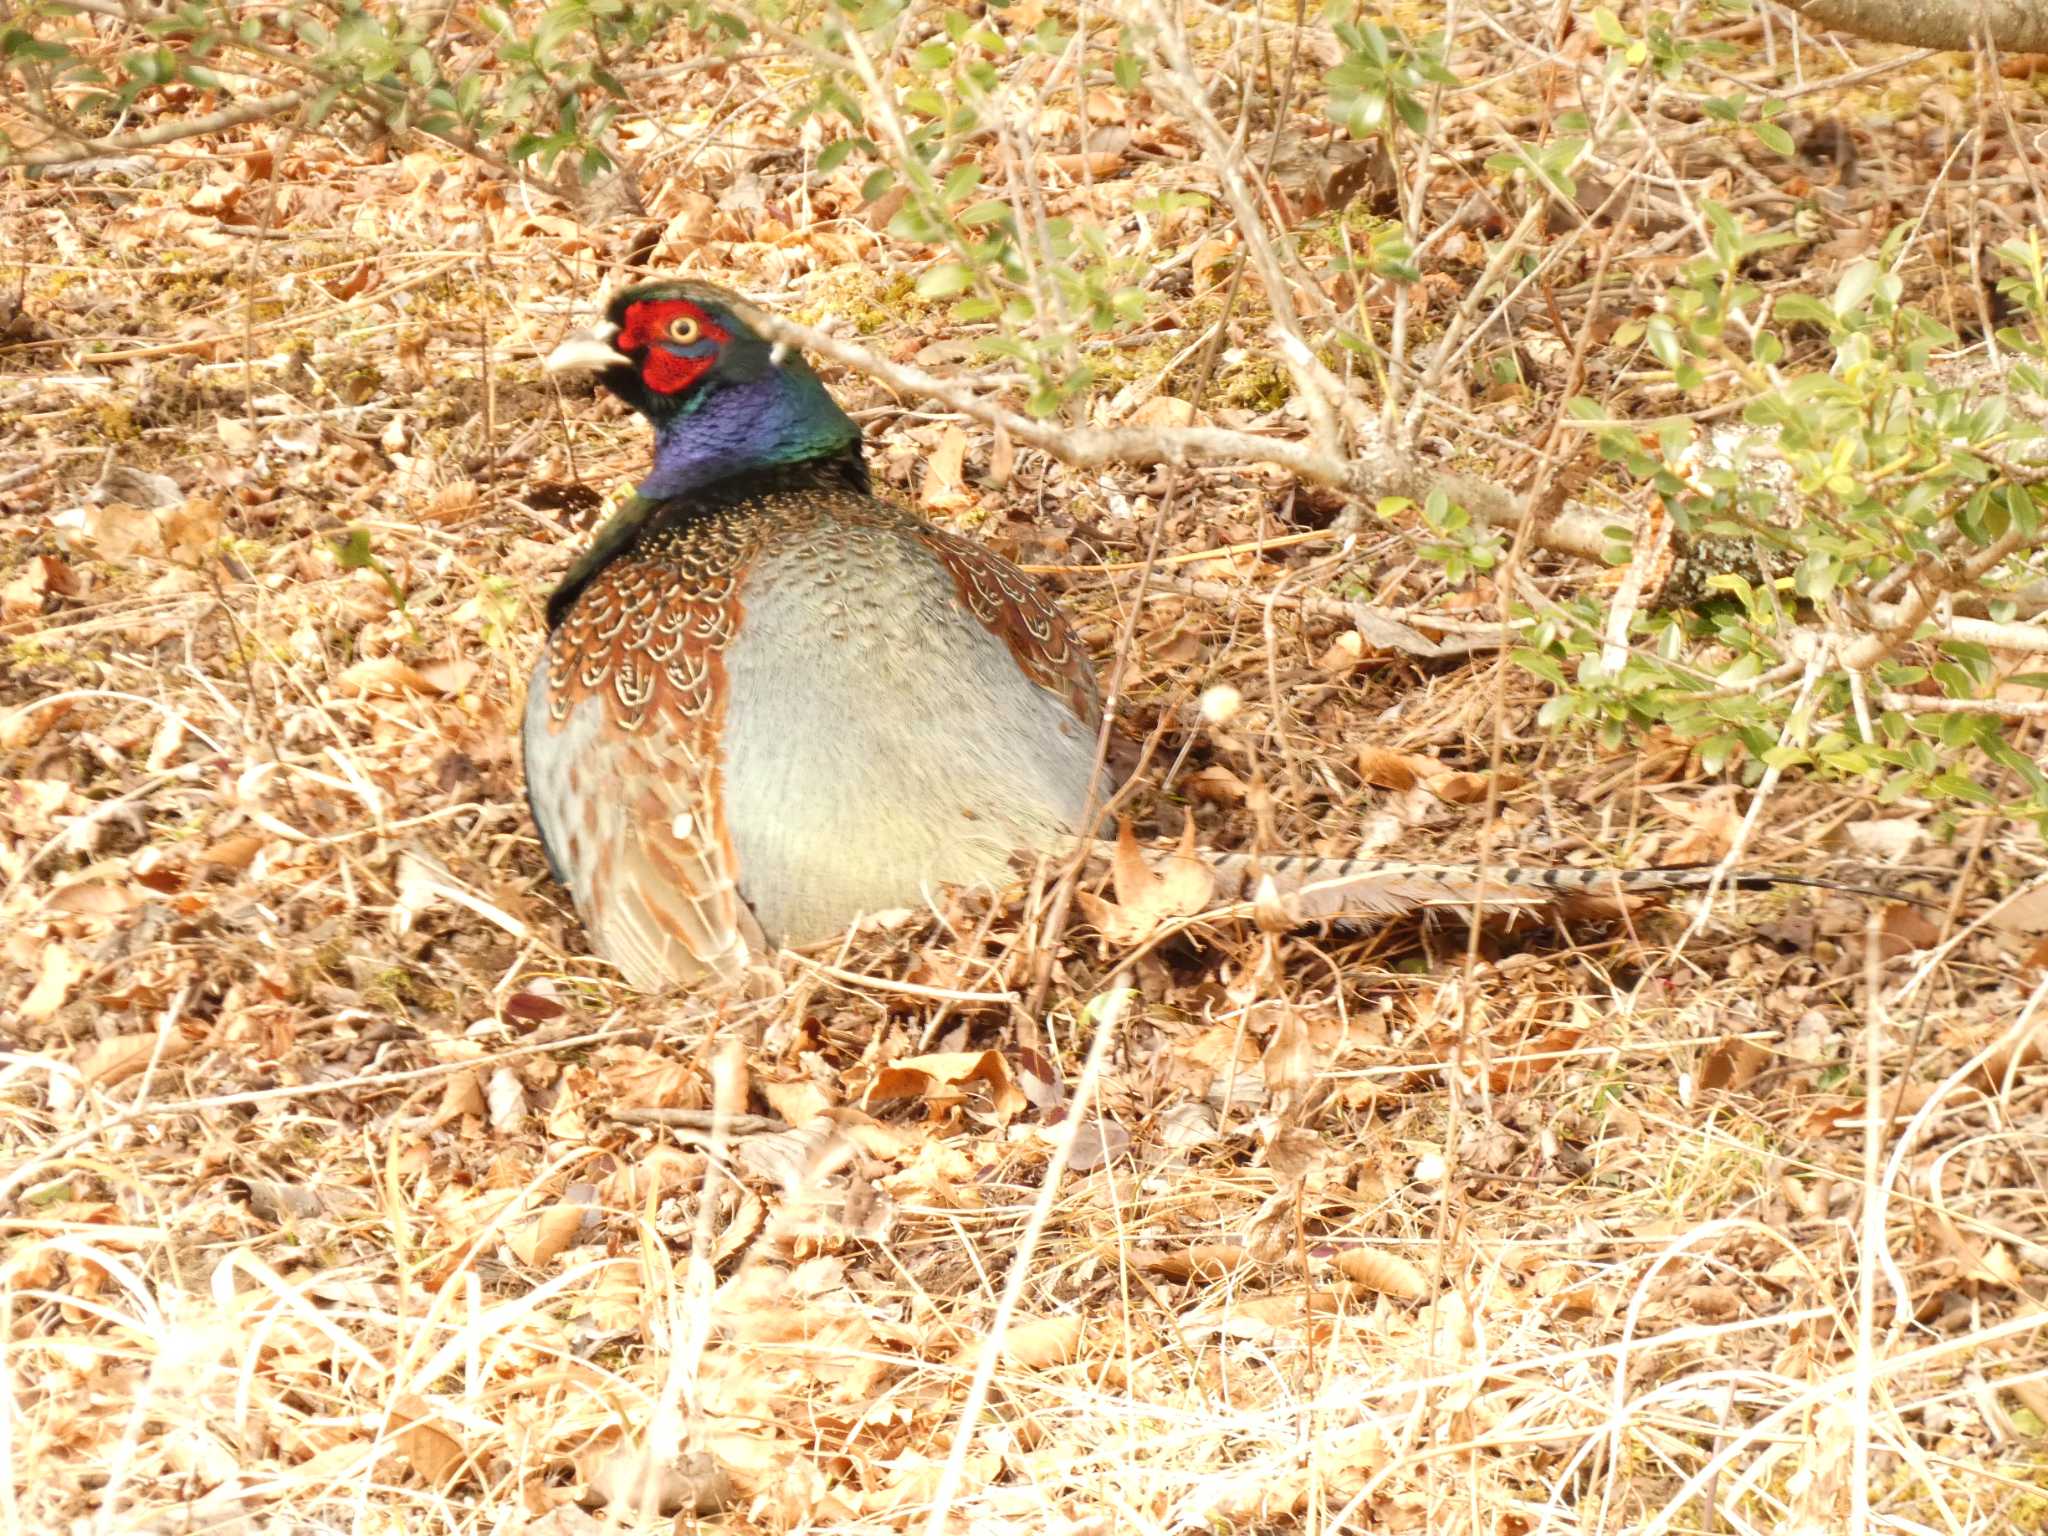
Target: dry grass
column 342, row 1190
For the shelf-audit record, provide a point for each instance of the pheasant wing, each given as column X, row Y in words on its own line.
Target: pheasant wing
column 624, row 776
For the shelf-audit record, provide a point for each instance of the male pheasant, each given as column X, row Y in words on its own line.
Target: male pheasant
column 770, row 701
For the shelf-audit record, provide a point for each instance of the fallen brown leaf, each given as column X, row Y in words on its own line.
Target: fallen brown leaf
column 1387, row 1273
column 945, row 475
column 942, row 1078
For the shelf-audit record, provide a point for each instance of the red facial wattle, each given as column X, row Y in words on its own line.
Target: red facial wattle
column 669, row 367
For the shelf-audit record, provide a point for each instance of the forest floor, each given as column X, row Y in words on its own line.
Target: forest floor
column 342, row 1189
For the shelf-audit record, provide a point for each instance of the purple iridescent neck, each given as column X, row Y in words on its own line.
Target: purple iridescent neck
column 782, row 416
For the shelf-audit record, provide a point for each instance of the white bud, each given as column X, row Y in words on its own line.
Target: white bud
column 1220, row 703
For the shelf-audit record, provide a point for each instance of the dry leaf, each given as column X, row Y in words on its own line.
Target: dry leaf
column 1469, row 788
column 1208, row 1261
column 1711, row 827
column 1289, row 1062
column 1042, row 1341
column 236, row 851
column 1733, row 1064
column 1216, row 784
column 2031, row 1047
column 1395, row 770
column 1387, row 1273
column 425, row 1441
column 1714, row 1303
column 1904, row 929
column 95, row 898
column 631, row 1478
column 450, row 677
column 799, row 1102
column 1343, row 655
column 1145, row 898
column 1253, row 1317
column 118, row 531
column 191, row 530
column 59, row 971
column 1295, row 1152
column 385, row 675
column 536, row 1239
column 507, row 1100
column 462, row 1094
column 1002, row 458
column 2026, row 913
column 114, row 1060
column 1164, row 411
column 26, row 726
column 945, row 474
column 941, row 1080
column 41, row 576
column 1887, row 841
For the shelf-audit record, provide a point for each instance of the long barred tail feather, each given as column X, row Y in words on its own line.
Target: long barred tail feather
column 1311, row 889
column 1316, row 888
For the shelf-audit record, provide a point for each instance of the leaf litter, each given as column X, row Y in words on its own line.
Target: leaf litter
column 343, row 1190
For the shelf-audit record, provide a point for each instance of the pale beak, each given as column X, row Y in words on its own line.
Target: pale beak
column 588, row 351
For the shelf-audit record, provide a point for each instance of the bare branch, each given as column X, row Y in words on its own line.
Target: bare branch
column 2008, row 709
column 169, row 132
column 1369, row 476
column 1898, row 621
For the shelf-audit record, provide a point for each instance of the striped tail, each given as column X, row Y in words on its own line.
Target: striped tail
column 1304, row 889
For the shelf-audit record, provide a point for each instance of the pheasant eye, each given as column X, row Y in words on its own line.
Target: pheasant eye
column 684, row 329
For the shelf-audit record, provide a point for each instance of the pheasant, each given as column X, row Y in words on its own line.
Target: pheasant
column 771, row 701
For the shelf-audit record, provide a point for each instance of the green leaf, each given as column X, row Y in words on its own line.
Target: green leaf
column 961, row 181
column 352, row 550
column 913, row 223
column 990, row 211
column 1541, row 663
column 1858, row 282
column 834, row 155
column 1956, row 787
column 1774, row 138
column 944, row 280
column 1802, row 309
column 318, row 108
column 1715, row 752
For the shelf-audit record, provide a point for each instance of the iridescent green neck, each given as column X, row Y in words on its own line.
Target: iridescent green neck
column 780, row 416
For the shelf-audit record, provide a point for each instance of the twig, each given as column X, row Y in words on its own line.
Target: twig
column 1931, row 579
column 2005, row 709
column 115, row 145
column 1107, row 1019
column 1369, row 476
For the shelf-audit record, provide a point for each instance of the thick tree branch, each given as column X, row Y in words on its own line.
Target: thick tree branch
column 2013, row 26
